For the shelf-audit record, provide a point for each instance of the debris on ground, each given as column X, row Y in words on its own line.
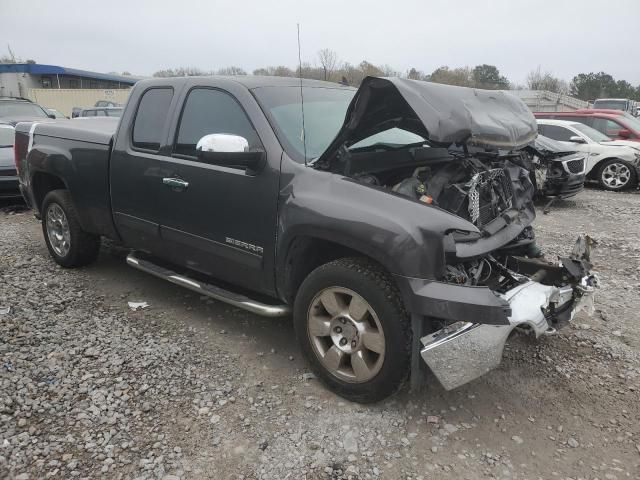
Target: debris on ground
column 135, row 306
column 89, row 391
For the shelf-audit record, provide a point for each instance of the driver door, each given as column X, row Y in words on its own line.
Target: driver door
column 223, row 221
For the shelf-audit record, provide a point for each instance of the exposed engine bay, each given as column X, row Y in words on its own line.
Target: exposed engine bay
column 485, row 189
column 478, row 187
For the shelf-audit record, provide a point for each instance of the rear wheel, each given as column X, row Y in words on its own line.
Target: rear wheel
column 68, row 244
column 352, row 326
column 615, row 174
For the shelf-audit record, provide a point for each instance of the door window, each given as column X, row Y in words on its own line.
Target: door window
column 152, row 113
column 558, row 133
column 208, row 111
column 608, row 127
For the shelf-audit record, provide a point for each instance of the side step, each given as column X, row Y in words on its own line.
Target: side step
column 208, row 290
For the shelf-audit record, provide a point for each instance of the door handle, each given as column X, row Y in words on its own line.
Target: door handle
column 175, row 183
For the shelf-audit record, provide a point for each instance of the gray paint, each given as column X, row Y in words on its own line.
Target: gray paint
column 120, row 194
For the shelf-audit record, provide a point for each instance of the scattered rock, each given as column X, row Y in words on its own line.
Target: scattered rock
column 350, row 442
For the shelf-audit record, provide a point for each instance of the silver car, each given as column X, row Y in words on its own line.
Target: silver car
column 8, row 174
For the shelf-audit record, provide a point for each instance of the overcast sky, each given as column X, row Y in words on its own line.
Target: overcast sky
column 565, row 37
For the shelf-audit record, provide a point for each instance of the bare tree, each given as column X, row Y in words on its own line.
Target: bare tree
column 414, row 74
column 328, row 60
column 181, row 72
column 537, row 80
column 231, row 71
column 279, row 71
column 10, row 58
column 462, row 76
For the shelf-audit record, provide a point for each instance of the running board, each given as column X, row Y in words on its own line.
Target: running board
column 208, row 290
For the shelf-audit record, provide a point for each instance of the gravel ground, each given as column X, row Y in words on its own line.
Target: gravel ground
column 191, row 388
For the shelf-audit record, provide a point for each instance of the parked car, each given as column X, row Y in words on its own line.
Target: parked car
column 56, row 113
column 107, row 104
column 387, row 253
column 14, row 110
column 560, row 170
column 8, row 174
column 615, row 124
column 614, row 164
column 623, row 104
column 100, row 112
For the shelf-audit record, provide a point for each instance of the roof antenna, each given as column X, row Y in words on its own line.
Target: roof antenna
column 304, row 133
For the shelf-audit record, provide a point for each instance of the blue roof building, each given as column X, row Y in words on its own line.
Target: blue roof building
column 17, row 78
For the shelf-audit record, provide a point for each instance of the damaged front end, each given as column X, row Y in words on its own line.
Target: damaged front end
column 537, row 295
column 464, row 151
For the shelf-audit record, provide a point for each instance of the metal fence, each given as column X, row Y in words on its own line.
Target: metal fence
column 545, row 101
column 64, row 100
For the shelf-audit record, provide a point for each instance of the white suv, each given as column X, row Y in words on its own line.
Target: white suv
column 615, row 164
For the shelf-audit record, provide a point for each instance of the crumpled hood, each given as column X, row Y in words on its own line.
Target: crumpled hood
column 444, row 114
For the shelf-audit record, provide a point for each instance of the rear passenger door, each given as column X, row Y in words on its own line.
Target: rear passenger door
column 139, row 162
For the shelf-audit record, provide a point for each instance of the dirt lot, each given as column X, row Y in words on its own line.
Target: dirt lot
column 191, row 388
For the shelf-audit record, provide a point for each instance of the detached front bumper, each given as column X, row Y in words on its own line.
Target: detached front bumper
column 465, row 350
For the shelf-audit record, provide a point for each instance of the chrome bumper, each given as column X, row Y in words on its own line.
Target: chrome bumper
column 463, row 351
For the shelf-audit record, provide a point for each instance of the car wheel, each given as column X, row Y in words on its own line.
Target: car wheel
column 615, row 175
column 353, row 328
column 68, row 244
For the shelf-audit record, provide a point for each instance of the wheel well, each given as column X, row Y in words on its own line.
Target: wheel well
column 305, row 254
column 595, row 171
column 43, row 183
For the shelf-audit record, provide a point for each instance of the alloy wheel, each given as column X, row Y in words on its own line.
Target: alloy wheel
column 346, row 334
column 58, row 230
column 616, row 175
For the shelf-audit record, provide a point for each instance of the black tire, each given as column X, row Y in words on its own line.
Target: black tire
column 602, row 168
column 84, row 247
column 378, row 289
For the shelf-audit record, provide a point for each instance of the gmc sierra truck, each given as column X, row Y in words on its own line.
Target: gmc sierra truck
column 393, row 222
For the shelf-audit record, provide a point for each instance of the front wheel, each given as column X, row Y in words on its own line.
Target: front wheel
column 68, row 244
column 616, row 175
column 353, row 328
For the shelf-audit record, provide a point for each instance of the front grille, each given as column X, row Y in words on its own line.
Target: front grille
column 575, row 166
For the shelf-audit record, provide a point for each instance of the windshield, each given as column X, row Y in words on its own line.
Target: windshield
column 611, row 104
column 114, row 112
column 394, row 136
column 21, row 109
column 592, row 133
column 324, row 112
column 6, row 136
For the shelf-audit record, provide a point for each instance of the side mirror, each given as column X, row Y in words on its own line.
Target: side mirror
column 229, row 150
column 624, row 133
column 577, row 139
column 51, row 115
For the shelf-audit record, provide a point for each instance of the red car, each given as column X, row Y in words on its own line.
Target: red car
column 615, row 124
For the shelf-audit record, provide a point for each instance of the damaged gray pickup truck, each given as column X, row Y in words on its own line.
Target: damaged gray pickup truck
column 393, row 221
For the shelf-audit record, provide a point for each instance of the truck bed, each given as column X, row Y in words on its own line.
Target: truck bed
column 91, row 130
column 77, row 151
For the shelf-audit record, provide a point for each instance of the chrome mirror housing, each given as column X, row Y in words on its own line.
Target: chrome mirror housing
column 222, row 143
